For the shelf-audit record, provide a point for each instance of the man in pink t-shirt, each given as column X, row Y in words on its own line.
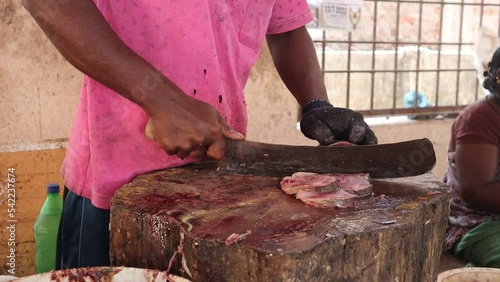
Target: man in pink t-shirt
column 181, row 66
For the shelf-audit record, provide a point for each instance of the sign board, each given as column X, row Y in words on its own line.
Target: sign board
column 341, row 14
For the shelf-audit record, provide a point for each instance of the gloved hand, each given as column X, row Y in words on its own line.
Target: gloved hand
column 328, row 124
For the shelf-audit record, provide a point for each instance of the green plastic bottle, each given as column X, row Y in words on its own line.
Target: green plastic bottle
column 46, row 227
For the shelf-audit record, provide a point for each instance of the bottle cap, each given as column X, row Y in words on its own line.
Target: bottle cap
column 53, row 188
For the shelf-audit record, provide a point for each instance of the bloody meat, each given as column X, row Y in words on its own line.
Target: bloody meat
column 308, row 181
column 357, row 183
column 327, row 190
column 342, row 144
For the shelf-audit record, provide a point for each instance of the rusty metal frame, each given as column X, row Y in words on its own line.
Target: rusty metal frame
column 395, row 110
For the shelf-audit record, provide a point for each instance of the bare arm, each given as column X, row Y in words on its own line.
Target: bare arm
column 477, row 168
column 296, row 61
column 82, row 35
column 180, row 124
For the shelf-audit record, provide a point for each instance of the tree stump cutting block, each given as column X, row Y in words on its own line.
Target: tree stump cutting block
column 186, row 216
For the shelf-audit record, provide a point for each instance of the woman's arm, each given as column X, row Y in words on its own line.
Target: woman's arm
column 477, row 169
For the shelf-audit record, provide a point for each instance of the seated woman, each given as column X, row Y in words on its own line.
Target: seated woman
column 473, row 175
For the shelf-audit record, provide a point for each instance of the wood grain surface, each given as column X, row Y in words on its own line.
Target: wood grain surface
column 198, row 208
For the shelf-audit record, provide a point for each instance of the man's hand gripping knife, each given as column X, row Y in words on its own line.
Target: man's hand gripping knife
column 327, row 124
column 196, row 139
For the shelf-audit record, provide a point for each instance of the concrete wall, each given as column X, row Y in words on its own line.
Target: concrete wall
column 39, row 92
column 38, row 89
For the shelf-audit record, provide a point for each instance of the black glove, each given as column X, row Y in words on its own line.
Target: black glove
column 328, row 125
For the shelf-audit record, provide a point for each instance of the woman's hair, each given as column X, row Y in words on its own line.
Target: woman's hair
column 490, row 82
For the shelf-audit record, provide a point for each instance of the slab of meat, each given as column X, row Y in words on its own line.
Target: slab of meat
column 338, row 199
column 308, row 181
column 342, row 144
column 358, row 183
column 327, row 190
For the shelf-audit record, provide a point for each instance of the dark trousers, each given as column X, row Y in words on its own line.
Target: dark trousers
column 83, row 238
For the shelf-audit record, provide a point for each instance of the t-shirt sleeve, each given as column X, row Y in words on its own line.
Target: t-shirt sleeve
column 289, row 15
column 478, row 126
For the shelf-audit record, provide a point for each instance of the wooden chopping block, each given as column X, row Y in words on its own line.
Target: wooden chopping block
column 394, row 235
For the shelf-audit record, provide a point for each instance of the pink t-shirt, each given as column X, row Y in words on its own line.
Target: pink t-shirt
column 206, row 47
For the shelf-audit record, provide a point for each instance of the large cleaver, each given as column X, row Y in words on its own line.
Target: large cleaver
column 401, row 159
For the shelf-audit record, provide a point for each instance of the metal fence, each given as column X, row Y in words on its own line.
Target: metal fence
column 410, row 56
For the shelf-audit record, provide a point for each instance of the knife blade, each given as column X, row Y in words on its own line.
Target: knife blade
column 402, row 159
